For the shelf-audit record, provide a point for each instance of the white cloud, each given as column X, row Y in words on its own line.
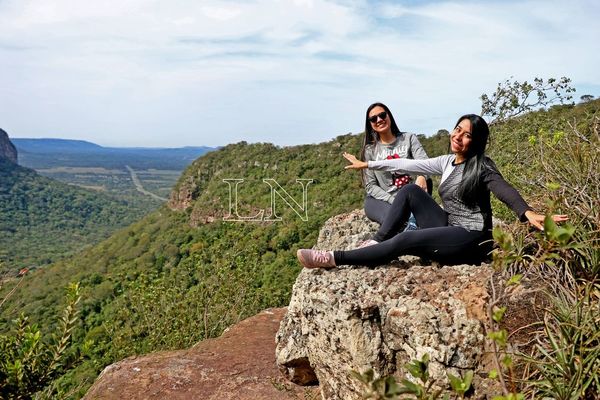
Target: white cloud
column 109, row 70
column 221, row 14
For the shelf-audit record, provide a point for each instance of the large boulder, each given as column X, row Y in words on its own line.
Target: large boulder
column 358, row 318
column 8, row 150
column 238, row 365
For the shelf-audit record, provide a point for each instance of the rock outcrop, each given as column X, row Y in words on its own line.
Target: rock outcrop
column 238, row 365
column 183, row 197
column 8, row 150
column 355, row 318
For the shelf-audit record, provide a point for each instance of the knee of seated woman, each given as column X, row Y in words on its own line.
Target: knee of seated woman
column 411, row 188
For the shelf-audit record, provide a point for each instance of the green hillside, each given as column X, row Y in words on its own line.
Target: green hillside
column 182, row 274
column 192, row 279
column 42, row 220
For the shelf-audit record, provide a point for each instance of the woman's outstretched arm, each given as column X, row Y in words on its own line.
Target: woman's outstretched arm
column 428, row 166
column 505, row 192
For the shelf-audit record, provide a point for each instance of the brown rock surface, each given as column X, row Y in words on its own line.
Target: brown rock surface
column 182, row 198
column 238, row 365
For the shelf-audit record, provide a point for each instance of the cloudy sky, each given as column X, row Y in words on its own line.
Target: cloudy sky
column 203, row 72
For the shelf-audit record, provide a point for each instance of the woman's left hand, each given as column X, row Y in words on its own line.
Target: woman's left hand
column 356, row 163
column 537, row 220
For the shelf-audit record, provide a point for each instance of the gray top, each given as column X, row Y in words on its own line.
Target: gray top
column 379, row 184
column 478, row 217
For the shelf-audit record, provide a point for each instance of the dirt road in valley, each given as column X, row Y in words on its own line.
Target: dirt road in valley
column 140, row 187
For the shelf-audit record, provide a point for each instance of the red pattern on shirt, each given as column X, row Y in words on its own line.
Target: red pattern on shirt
column 399, row 180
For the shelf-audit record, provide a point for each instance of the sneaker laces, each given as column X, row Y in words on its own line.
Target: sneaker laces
column 321, row 256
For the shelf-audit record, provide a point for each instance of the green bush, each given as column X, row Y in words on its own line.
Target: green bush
column 29, row 363
column 564, row 260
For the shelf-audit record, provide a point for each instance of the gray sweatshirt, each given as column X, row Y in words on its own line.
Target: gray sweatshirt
column 478, row 217
column 379, row 184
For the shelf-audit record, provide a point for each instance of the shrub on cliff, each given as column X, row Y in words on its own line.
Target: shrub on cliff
column 29, row 362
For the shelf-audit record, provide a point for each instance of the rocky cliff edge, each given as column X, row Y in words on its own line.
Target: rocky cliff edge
column 238, row 365
column 8, row 150
column 357, row 318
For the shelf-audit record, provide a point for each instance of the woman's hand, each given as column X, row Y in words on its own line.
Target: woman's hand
column 537, row 220
column 421, row 182
column 356, row 163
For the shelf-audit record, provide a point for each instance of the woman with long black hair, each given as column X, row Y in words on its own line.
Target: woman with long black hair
column 384, row 140
column 458, row 233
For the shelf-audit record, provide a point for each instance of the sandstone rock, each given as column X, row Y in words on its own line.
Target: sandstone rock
column 238, row 365
column 182, row 199
column 355, row 318
column 8, row 150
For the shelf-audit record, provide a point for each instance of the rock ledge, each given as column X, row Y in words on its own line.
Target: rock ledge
column 238, row 365
column 354, row 318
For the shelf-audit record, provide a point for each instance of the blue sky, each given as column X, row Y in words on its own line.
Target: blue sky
column 183, row 72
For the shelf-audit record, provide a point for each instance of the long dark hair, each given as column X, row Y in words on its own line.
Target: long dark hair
column 476, row 161
column 370, row 135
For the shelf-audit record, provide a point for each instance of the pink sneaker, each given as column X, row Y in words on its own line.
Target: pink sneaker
column 315, row 258
column 366, row 243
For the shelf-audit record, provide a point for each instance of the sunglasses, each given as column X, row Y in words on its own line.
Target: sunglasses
column 382, row 115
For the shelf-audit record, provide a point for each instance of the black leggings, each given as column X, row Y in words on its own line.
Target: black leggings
column 375, row 209
column 435, row 239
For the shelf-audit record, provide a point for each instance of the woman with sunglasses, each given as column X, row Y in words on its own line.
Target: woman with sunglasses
column 383, row 140
column 458, row 233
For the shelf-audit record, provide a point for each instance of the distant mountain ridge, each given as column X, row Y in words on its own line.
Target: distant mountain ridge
column 54, row 145
column 52, row 152
column 57, row 145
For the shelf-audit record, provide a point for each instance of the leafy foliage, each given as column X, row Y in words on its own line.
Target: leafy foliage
column 384, row 388
column 437, row 144
column 29, row 363
column 172, row 279
column 568, row 354
column 560, row 148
